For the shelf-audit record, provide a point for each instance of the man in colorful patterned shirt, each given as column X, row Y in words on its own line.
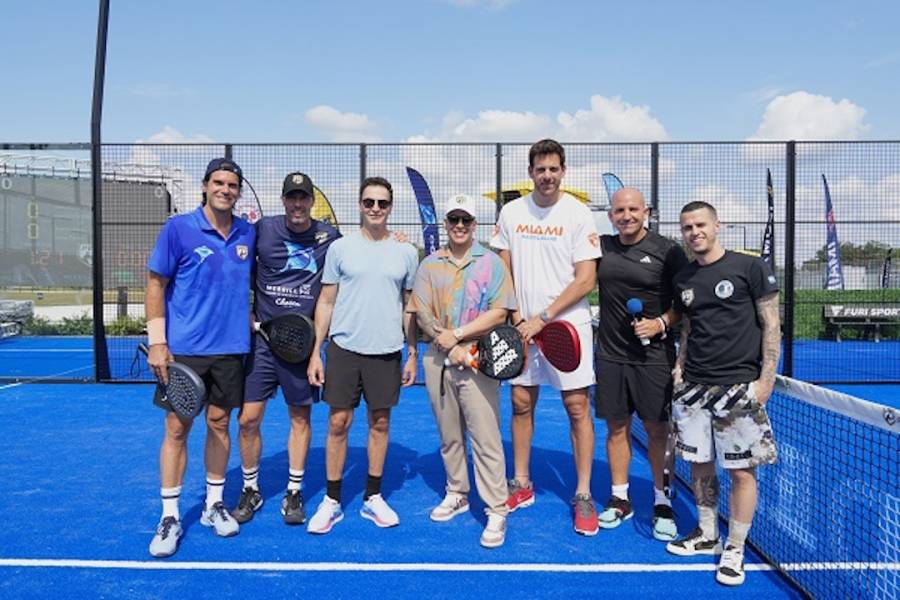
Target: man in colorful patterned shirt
column 460, row 293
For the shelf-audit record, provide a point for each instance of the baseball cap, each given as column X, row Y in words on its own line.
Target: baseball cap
column 223, row 164
column 297, row 182
column 461, row 202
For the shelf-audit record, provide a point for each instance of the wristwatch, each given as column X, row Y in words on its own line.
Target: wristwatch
column 458, row 333
column 545, row 317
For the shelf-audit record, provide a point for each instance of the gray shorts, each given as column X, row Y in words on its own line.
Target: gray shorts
column 726, row 422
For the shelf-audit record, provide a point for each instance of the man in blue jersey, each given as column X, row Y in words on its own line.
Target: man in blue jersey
column 366, row 283
column 198, row 309
column 291, row 252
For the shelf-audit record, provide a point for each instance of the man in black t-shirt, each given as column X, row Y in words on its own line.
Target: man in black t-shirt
column 724, row 374
column 635, row 355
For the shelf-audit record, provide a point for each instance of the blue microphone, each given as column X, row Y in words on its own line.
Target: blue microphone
column 636, row 307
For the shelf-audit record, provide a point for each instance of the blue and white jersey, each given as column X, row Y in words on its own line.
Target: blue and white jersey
column 208, row 295
column 289, row 266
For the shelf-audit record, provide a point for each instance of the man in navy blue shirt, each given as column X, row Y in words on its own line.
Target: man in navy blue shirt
column 291, row 251
column 198, row 311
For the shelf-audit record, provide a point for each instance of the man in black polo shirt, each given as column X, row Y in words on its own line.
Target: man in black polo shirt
column 724, row 374
column 635, row 355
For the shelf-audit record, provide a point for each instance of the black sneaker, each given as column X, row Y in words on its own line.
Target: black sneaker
column 616, row 511
column 292, row 508
column 694, row 543
column 250, row 502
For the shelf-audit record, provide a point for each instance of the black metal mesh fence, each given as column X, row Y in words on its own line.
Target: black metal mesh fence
column 848, row 334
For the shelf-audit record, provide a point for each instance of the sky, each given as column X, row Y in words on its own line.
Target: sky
column 454, row 70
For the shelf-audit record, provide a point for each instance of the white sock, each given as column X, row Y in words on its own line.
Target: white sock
column 214, row 489
column 295, row 480
column 620, row 491
column 251, row 477
column 659, row 497
column 170, row 497
column 708, row 521
column 737, row 533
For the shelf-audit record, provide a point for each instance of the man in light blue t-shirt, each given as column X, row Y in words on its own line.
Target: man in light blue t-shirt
column 366, row 283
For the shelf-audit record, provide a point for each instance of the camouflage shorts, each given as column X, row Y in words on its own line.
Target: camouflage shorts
column 726, row 422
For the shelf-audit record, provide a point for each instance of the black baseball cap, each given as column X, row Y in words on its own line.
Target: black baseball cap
column 297, row 182
column 223, row 164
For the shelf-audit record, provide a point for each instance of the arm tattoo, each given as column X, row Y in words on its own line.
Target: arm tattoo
column 706, row 490
column 683, row 342
column 767, row 310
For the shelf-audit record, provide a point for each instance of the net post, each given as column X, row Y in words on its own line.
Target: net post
column 121, row 302
column 498, row 155
column 654, row 187
column 790, row 224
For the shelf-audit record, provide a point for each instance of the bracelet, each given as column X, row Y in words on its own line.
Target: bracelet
column 519, row 323
column 156, row 331
column 663, row 334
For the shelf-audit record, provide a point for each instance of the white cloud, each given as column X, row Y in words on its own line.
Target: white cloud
column 605, row 120
column 342, row 126
column 170, row 135
column 804, row 116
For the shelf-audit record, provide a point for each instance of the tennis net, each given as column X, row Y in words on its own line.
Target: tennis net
column 829, row 509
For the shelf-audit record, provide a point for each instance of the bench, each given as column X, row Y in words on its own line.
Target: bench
column 870, row 316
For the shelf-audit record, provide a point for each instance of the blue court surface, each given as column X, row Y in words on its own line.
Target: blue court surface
column 81, row 503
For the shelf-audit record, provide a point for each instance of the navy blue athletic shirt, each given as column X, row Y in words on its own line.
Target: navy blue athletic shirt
column 289, row 266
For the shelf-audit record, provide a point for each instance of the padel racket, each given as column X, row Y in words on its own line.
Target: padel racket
column 291, row 336
column 669, row 461
column 499, row 354
column 560, row 345
column 185, row 392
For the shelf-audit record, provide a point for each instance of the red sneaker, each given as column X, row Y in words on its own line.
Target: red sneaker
column 585, row 515
column 520, row 496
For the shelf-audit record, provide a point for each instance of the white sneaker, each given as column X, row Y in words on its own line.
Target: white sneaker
column 377, row 510
column 218, row 517
column 494, row 533
column 327, row 515
column 731, row 566
column 165, row 542
column 452, row 505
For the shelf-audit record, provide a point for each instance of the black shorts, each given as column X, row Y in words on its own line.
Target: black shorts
column 623, row 389
column 348, row 374
column 223, row 375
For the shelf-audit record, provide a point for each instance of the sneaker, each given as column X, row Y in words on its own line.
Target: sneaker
column 615, row 513
column 585, row 514
column 165, row 542
column 450, row 506
column 694, row 543
column 292, row 508
column 520, row 496
column 327, row 515
column 494, row 533
column 377, row 510
column 250, row 502
column 731, row 566
column 664, row 528
column 218, row 517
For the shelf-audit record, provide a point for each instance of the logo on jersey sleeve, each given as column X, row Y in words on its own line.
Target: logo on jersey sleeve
column 594, row 239
column 687, row 296
column 242, row 251
column 724, row 289
column 321, row 237
column 771, row 279
column 203, row 252
column 299, row 259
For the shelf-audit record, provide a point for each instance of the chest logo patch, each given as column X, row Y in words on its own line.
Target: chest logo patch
column 646, row 260
column 203, row 252
column 321, row 237
column 242, row 251
column 724, row 289
column 687, row 296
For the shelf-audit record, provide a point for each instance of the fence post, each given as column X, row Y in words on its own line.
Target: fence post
column 790, row 223
column 499, row 183
column 654, row 187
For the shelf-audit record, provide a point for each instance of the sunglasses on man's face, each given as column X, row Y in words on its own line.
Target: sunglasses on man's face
column 382, row 204
column 456, row 220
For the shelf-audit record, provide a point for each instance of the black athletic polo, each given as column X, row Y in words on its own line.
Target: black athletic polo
column 644, row 271
column 724, row 344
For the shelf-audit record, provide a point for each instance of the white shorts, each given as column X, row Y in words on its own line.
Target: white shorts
column 540, row 372
column 724, row 422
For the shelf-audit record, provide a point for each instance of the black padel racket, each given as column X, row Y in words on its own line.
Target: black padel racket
column 499, row 354
column 185, row 392
column 290, row 336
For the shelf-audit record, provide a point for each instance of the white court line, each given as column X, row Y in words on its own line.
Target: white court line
column 426, row 567
column 38, row 379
